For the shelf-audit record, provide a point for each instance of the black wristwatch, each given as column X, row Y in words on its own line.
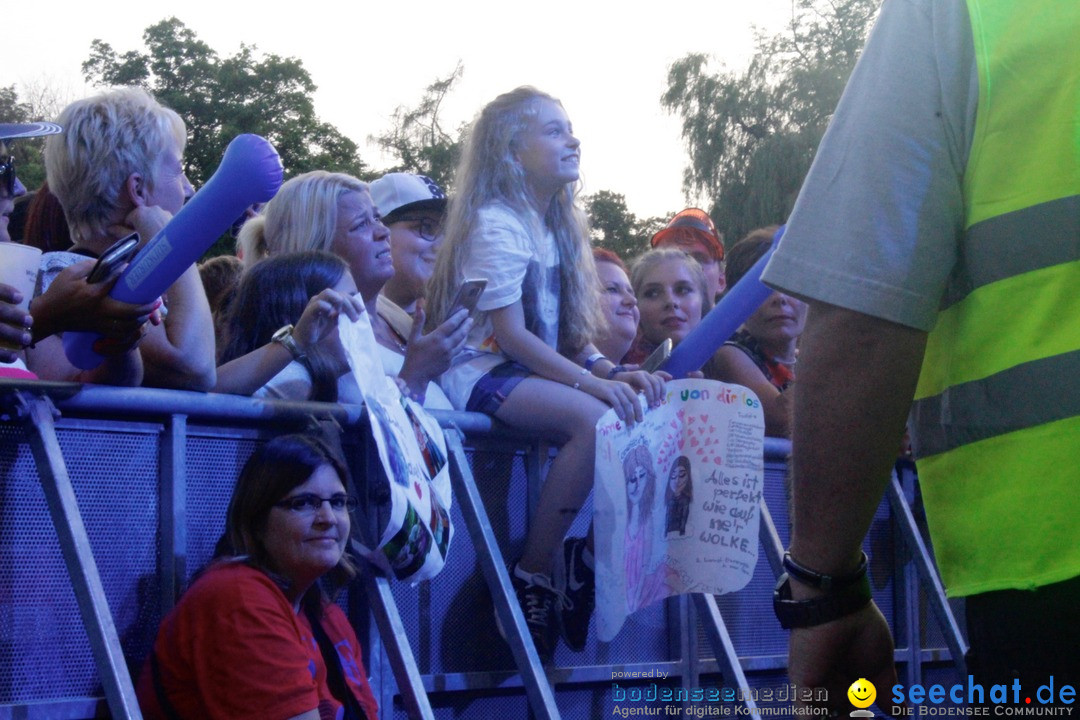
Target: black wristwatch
column 846, row 594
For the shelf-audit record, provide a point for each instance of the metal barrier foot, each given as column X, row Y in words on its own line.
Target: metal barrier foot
column 396, row 644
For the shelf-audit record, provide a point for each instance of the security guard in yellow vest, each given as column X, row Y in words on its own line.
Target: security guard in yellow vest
column 937, row 238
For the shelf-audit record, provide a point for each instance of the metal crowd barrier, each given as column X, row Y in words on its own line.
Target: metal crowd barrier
column 119, row 495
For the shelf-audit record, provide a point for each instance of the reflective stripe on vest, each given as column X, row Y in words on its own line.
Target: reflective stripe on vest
column 996, row 421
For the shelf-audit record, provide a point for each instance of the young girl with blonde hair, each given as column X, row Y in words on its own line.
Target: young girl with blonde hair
column 529, row 361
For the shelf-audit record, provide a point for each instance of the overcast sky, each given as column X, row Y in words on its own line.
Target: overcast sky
column 606, row 61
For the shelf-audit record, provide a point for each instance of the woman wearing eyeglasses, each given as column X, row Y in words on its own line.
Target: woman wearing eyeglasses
column 15, row 321
column 256, row 635
column 413, row 209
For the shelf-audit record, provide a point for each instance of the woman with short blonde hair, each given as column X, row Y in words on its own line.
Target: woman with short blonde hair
column 107, row 138
column 118, row 167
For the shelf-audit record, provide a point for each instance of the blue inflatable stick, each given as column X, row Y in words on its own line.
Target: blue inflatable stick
column 738, row 304
column 250, row 172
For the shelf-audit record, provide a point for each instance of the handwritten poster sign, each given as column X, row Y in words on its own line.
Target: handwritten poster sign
column 676, row 506
column 412, row 451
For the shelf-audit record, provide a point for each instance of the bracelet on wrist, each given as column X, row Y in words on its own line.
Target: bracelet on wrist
column 615, row 371
column 577, row 384
column 593, row 359
column 844, row 594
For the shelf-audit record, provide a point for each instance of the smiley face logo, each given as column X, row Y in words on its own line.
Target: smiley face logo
column 862, row 693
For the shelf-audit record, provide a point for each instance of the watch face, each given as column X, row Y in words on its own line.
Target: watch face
column 285, row 338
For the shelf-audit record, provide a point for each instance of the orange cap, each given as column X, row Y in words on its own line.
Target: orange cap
column 691, row 226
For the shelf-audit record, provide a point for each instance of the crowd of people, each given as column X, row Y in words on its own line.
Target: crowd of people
column 557, row 338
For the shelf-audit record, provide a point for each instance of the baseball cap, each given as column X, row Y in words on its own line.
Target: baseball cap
column 15, row 131
column 394, row 194
column 691, row 226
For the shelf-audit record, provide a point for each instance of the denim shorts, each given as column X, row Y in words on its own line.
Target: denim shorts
column 495, row 386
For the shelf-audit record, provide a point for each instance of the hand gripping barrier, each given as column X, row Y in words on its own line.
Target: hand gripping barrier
column 250, row 172
column 738, row 303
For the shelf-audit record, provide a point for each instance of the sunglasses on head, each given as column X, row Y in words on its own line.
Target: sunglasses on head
column 7, row 174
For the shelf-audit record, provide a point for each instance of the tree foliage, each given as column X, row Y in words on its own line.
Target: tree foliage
column 416, row 137
column 752, row 135
column 222, row 97
column 614, row 227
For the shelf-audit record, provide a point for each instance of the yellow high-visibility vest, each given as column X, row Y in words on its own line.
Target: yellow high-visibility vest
column 996, row 418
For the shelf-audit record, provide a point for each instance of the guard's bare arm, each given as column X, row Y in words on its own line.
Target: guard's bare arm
column 857, row 377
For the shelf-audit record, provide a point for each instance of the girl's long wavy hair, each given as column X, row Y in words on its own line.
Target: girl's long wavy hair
column 274, row 293
column 489, row 172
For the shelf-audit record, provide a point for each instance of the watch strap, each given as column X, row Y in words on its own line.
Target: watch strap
column 839, row 603
column 819, row 580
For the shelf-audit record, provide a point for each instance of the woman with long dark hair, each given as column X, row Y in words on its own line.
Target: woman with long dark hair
column 678, row 496
column 303, row 292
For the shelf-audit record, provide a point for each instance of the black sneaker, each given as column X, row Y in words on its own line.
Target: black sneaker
column 539, row 601
column 578, row 584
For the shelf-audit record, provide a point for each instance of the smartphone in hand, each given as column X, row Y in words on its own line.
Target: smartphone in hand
column 468, row 295
column 658, row 357
column 110, row 262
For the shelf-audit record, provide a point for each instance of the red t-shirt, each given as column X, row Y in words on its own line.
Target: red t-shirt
column 233, row 648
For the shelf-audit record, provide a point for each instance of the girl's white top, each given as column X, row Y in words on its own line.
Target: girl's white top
column 519, row 259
